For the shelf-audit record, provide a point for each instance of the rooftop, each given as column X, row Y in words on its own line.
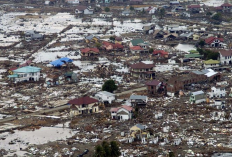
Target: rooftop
column 27, row 69
column 83, row 101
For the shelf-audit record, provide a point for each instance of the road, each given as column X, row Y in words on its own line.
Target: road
column 59, row 108
column 131, row 91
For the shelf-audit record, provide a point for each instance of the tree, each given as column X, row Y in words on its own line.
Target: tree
column 161, row 12
column 151, row 50
column 107, row 150
column 109, row 86
column 208, row 54
column 171, row 154
column 201, row 43
column 132, row 8
column 114, row 149
column 217, row 17
column 209, row 13
column 112, row 38
column 99, row 151
column 98, row 45
column 106, row 147
column 107, row 9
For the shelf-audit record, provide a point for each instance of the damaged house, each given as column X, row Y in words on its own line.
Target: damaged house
column 27, row 73
column 32, row 35
column 179, row 82
column 105, row 97
column 156, row 87
column 138, row 100
column 197, row 97
column 142, row 70
column 218, row 92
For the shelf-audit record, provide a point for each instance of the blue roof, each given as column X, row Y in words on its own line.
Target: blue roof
column 57, row 63
column 65, row 59
column 27, row 69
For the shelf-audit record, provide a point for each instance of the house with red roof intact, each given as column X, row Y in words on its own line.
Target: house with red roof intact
column 142, row 70
column 194, row 8
column 108, row 46
column 83, row 105
column 136, row 49
column 160, row 54
column 215, row 42
column 87, row 52
column 122, row 113
column 226, row 7
column 225, row 57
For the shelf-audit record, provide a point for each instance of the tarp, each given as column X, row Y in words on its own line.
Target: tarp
column 65, row 59
column 57, row 63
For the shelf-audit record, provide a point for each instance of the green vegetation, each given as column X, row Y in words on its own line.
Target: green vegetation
column 98, row 45
column 217, row 16
column 208, row 54
column 151, row 50
column 161, row 13
column 109, row 86
column 201, row 43
column 112, row 38
column 107, row 9
column 107, row 149
column 132, row 8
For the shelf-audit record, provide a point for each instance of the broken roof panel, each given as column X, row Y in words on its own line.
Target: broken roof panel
column 197, row 93
column 153, row 83
column 142, row 65
column 138, row 97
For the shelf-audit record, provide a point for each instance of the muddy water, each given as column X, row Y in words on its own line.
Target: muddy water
column 185, row 47
column 21, row 139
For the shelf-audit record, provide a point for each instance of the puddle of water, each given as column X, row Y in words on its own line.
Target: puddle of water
column 222, row 155
column 185, row 47
column 21, row 139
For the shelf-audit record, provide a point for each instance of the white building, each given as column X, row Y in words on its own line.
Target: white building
column 105, row 96
column 121, row 113
column 219, row 104
column 217, row 92
column 197, row 97
column 211, row 63
column 72, row 1
column 84, row 10
column 28, row 73
column 225, row 57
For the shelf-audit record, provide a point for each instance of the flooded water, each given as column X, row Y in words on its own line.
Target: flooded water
column 222, row 155
column 21, row 139
column 185, row 47
column 214, row 3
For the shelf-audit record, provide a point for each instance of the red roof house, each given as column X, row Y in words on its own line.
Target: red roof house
column 160, row 53
column 122, row 113
column 214, row 42
column 89, row 51
column 83, row 105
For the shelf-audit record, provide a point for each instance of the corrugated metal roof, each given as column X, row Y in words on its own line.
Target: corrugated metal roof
column 197, row 93
column 138, row 97
column 27, row 69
